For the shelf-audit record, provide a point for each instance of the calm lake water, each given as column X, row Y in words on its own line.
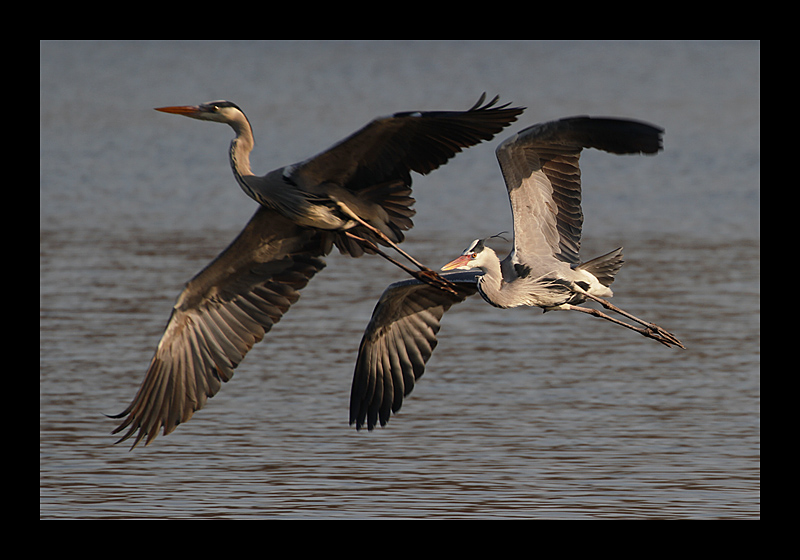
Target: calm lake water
column 519, row 414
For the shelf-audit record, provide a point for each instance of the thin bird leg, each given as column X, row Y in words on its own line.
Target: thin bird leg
column 382, row 235
column 649, row 333
column 428, row 276
column 650, row 326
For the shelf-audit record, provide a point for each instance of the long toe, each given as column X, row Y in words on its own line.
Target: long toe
column 664, row 337
column 434, row 279
column 671, row 337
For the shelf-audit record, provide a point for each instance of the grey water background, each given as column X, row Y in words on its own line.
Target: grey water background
column 519, row 414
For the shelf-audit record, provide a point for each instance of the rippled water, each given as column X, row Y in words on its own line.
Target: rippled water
column 519, row 414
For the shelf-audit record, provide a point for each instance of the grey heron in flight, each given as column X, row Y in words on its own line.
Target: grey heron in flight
column 352, row 195
column 543, row 269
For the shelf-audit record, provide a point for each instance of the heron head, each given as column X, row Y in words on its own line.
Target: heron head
column 474, row 256
column 216, row 111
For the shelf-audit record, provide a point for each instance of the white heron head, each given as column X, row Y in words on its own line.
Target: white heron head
column 477, row 255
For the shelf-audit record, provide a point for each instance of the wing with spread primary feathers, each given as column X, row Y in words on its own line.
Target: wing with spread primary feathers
column 389, row 148
column 397, row 343
column 219, row 316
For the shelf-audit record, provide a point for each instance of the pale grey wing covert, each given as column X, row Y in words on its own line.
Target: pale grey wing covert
column 398, row 342
column 540, row 166
column 222, row 312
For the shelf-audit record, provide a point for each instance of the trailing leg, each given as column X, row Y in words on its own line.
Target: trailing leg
column 425, row 275
column 650, row 330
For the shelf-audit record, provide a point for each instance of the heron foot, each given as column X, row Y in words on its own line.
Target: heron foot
column 663, row 336
column 660, row 335
column 435, row 279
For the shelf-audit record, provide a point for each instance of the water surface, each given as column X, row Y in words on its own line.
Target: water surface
column 519, row 414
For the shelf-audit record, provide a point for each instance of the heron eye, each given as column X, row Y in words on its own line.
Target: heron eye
column 474, row 256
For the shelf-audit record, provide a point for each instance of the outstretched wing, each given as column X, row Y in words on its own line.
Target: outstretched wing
column 389, row 148
column 397, row 343
column 219, row 316
column 543, row 178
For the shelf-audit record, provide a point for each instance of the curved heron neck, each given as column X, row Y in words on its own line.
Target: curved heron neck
column 491, row 283
column 241, row 146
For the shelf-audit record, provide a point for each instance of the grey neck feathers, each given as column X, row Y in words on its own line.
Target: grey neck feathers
column 239, row 155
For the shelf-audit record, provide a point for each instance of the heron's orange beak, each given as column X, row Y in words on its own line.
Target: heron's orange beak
column 463, row 260
column 186, row 110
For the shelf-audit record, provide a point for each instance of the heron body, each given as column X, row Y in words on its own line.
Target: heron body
column 547, row 283
column 354, row 195
column 365, row 178
column 542, row 176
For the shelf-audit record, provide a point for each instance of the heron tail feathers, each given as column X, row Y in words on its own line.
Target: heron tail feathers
column 604, row 267
column 395, row 199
